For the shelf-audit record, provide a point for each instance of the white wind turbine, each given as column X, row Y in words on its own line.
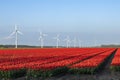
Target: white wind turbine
column 67, row 42
column 58, row 40
column 41, row 38
column 15, row 32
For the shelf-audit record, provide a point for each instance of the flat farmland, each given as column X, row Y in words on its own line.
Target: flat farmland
column 59, row 63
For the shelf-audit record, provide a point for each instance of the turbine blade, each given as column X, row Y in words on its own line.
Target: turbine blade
column 40, row 36
column 20, row 32
column 11, row 34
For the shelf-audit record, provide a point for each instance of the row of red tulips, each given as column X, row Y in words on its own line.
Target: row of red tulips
column 115, row 65
column 66, row 62
column 93, row 62
column 116, row 59
column 19, row 58
column 13, row 61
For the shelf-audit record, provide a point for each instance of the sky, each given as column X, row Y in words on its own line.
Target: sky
column 89, row 20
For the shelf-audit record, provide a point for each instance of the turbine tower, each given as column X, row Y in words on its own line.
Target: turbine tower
column 67, row 42
column 58, row 40
column 41, row 38
column 15, row 32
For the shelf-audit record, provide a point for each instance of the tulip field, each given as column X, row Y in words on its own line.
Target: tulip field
column 46, row 62
column 115, row 65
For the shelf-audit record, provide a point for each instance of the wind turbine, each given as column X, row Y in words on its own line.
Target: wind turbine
column 67, row 42
column 58, row 40
column 41, row 38
column 15, row 32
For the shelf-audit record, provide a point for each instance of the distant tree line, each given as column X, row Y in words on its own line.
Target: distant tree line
column 28, row 46
column 112, row 45
column 25, row 46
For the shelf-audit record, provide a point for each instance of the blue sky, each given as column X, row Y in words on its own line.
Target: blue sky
column 86, row 19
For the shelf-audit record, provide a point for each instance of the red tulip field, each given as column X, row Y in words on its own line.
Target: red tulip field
column 47, row 62
column 115, row 65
